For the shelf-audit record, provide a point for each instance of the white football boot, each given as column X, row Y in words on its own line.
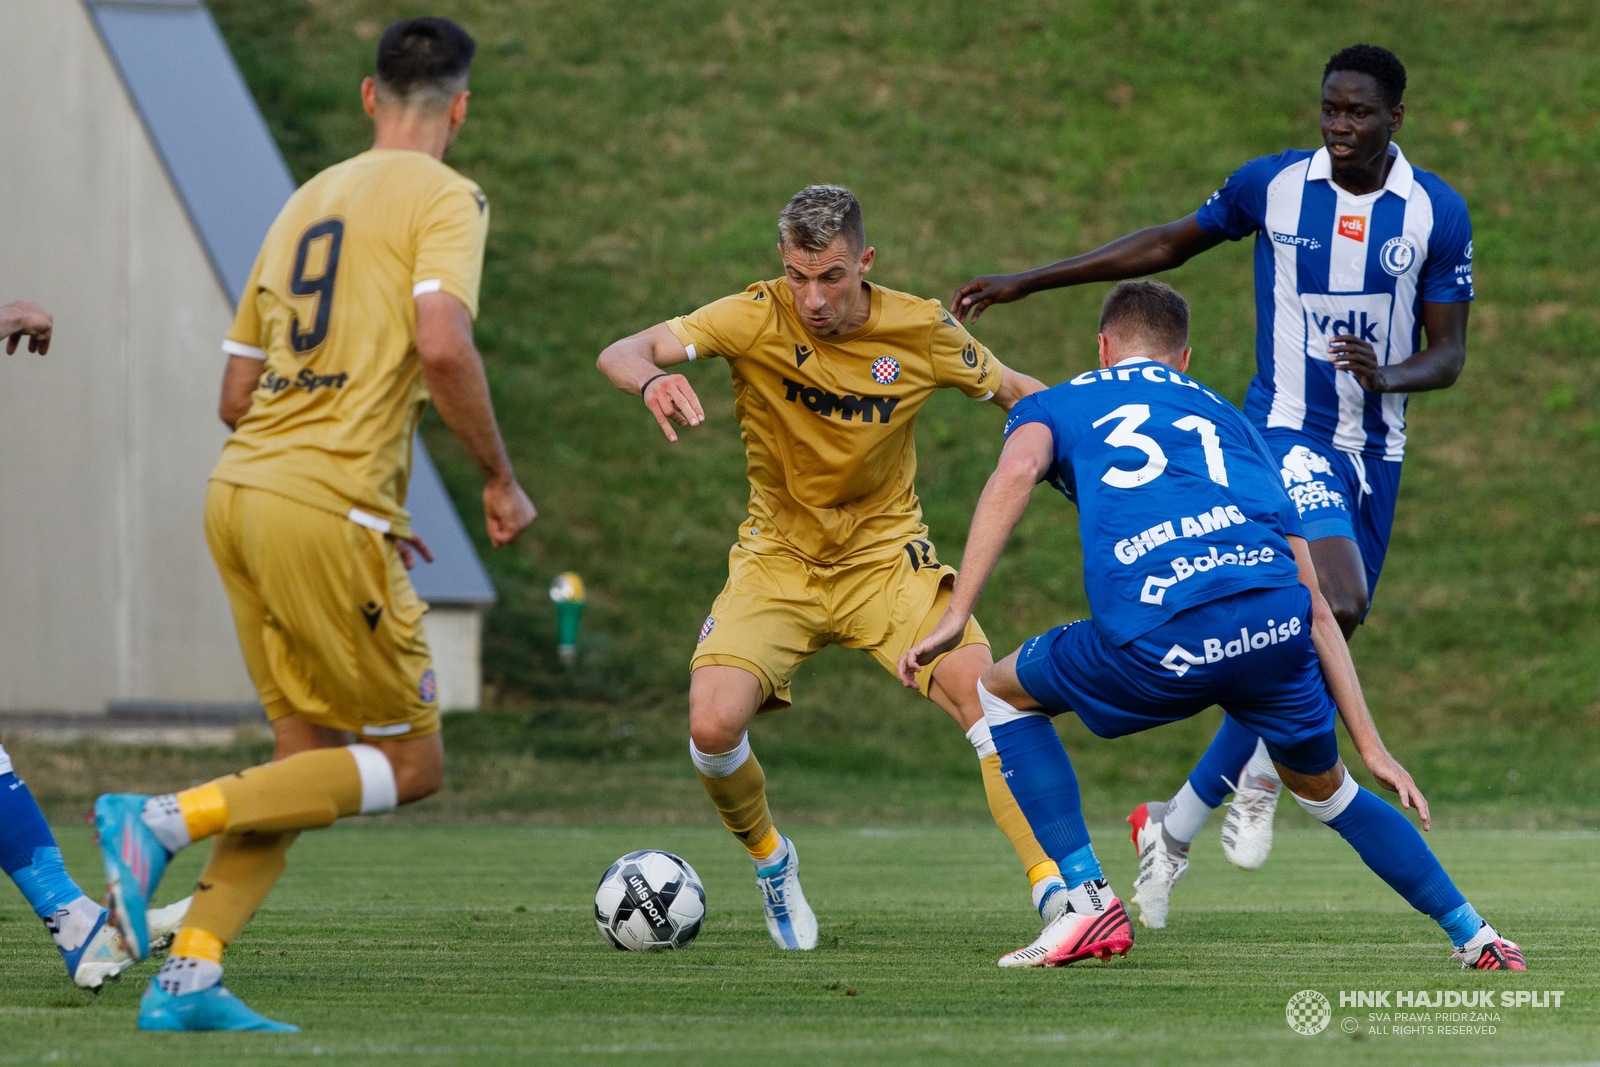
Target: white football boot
column 106, row 955
column 1247, row 828
column 1072, row 936
column 790, row 920
column 1160, row 868
column 1050, row 898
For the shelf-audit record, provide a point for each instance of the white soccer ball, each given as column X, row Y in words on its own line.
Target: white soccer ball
column 649, row 900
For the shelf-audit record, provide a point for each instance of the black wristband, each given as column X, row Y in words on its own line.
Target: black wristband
column 647, row 382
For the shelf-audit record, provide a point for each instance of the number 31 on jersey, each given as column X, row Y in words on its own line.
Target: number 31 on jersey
column 1125, row 434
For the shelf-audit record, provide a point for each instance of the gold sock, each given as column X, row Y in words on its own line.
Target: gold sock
column 741, row 799
column 238, row 875
column 1008, row 816
column 1040, row 871
column 301, row 792
column 193, row 943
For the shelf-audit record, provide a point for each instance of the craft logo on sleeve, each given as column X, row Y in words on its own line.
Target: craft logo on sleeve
column 1353, row 226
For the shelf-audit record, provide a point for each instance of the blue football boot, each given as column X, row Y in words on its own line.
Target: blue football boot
column 135, row 861
column 213, row 1008
column 790, row 920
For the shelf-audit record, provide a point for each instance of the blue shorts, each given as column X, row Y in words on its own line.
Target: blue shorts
column 1339, row 494
column 1250, row 652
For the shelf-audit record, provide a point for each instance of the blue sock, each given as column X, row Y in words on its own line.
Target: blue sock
column 1391, row 846
column 1230, row 750
column 1041, row 778
column 28, row 851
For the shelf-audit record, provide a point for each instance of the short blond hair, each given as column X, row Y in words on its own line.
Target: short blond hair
column 818, row 214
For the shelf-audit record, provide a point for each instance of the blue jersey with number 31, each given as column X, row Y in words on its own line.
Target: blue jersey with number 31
column 1179, row 502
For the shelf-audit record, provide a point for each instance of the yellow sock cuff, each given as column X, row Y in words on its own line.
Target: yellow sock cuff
column 1040, row 871
column 205, row 810
column 193, row 943
column 766, row 846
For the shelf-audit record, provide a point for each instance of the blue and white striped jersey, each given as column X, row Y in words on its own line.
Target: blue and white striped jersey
column 1328, row 262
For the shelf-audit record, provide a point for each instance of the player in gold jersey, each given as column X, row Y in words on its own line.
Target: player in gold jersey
column 359, row 310
column 829, row 372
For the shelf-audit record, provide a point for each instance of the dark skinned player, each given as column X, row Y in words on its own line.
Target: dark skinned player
column 1358, row 257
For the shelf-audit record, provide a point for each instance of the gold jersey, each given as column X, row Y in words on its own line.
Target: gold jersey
column 329, row 309
column 827, row 421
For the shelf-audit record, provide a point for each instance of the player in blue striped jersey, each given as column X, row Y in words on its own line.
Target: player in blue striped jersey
column 1358, row 255
column 1202, row 592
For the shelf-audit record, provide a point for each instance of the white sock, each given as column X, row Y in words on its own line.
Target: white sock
column 997, row 712
column 978, row 734
column 1330, row 809
column 779, row 854
column 166, row 821
column 180, row 975
column 379, row 791
column 1044, row 886
column 1185, row 814
column 71, row 924
column 720, row 764
column 1475, row 943
column 1090, row 898
column 1261, row 768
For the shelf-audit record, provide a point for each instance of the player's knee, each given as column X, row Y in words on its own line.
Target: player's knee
column 714, row 734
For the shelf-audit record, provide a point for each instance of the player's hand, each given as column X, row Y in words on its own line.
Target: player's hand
column 412, row 547
column 1359, row 358
column 671, row 400
column 944, row 638
column 26, row 317
column 1395, row 778
column 979, row 293
column 506, row 511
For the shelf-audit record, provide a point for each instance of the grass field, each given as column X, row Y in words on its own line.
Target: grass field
column 475, row 944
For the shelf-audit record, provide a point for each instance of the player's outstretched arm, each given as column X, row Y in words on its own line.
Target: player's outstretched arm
column 635, row 365
column 1014, row 385
column 454, row 373
column 1339, row 671
column 1148, row 251
column 24, row 317
column 1435, row 367
column 1023, row 462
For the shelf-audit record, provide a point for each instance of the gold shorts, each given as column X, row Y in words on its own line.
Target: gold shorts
column 329, row 624
column 777, row 609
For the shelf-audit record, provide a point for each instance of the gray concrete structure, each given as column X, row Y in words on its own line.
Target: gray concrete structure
column 137, row 179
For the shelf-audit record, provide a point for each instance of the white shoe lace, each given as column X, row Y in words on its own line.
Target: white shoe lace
column 1251, row 803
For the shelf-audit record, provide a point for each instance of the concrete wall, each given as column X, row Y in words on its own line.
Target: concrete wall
column 106, row 588
column 454, row 638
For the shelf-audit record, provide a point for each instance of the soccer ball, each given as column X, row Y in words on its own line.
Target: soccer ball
column 649, row 900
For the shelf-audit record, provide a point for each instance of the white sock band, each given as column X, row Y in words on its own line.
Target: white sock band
column 1185, row 814
column 5, row 761
column 978, row 734
column 721, row 764
column 1260, row 765
column 378, row 789
column 997, row 712
column 165, row 819
column 1330, row 809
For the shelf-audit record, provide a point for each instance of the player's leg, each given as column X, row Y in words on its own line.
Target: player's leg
column 767, row 620
column 1394, row 850
column 89, row 943
column 1335, row 499
column 953, row 686
column 1040, row 775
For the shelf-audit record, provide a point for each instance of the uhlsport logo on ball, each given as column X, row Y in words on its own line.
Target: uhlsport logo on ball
column 1308, row 1012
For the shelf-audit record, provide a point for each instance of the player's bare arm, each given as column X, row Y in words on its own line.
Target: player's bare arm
column 1435, row 367
column 1339, row 671
column 1147, row 251
column 239, row 380
column 25, row 318
column 637, row 365
column 1014, row 385
column 454, row 373
column 1023, row 462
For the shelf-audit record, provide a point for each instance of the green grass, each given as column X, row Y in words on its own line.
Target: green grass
column 476, row 944
column 636, row 156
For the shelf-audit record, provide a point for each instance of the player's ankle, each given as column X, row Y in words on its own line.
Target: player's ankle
column 181, row 975
column 1090, row 898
